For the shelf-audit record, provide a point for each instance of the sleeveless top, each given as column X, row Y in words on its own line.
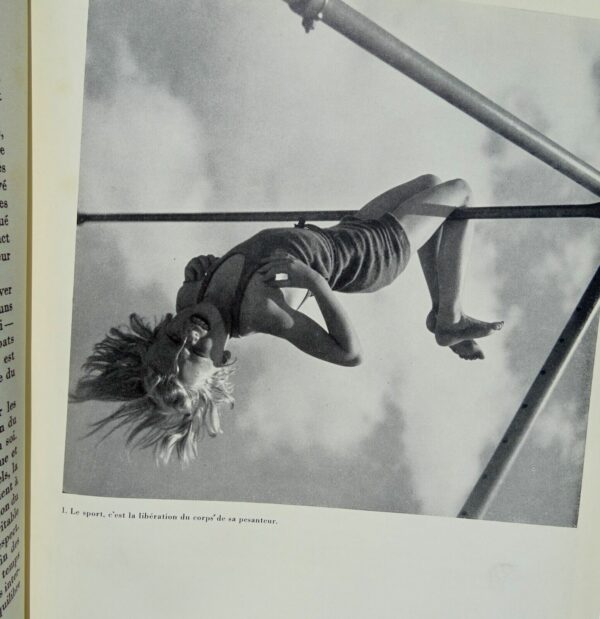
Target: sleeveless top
column 356, row 255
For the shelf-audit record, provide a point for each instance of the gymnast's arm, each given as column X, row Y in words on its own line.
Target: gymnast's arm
column 338, row 344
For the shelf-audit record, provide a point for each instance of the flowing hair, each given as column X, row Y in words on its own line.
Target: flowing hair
column 161, row 412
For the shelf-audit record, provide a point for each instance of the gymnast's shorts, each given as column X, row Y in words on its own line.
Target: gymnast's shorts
column 367, row 254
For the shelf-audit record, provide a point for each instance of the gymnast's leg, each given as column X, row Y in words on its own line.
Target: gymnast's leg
column 428, row 257
column 421, row 217
column 388, row 202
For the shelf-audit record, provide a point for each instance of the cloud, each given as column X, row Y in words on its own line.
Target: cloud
column 568, row 266
column 143, row 150
column 554, row 91
column 563, row 426
column 449, row 407
column 557, row 257
column 201, row 113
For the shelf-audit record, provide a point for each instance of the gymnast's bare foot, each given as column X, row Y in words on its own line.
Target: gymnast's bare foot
column 466, row 328
column 467, row 349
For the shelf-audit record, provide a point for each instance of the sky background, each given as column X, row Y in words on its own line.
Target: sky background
column 229, row 105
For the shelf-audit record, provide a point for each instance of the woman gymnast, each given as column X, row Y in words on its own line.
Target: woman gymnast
column 172, row 377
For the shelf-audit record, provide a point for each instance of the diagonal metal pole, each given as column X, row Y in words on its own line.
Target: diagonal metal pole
column 481, row 212
column 386, row 47
column 495, row 472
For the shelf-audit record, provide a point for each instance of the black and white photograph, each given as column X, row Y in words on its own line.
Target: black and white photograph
column 336, row 257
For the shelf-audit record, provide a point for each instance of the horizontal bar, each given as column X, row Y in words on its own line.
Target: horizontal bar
column 508, row 449
column 480, row 212
column 374, row 39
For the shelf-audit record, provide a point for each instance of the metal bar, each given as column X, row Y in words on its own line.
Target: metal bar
column 494, row 473
column 386, row 47
column 481, row 212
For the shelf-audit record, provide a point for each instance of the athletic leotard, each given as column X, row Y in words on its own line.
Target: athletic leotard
column 356, row 255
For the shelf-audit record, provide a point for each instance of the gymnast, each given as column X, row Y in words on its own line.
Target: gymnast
column 171, row 378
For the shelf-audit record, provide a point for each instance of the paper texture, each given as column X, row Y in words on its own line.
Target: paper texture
column 302, row 561
column 13, row 298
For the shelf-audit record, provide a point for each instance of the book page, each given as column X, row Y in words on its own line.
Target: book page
column 333, row 491
column 13, row 310
column 580, row 8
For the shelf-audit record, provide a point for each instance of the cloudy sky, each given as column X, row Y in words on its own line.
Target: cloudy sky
column 228, row 105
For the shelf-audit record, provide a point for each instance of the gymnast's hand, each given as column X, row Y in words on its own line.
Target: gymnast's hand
column 281, row 270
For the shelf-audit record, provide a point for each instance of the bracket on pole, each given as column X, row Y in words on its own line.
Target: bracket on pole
column 310, row 11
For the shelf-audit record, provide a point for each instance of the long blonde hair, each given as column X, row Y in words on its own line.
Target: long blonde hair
column 161, row 412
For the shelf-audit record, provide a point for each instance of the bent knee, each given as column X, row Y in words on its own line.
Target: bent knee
column 427, row 181
column 459, row 184
column 461, row 187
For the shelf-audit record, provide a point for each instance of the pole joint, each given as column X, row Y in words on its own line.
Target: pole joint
column 310, row 11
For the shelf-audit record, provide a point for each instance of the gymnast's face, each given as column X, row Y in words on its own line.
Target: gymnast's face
column 191, row 345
